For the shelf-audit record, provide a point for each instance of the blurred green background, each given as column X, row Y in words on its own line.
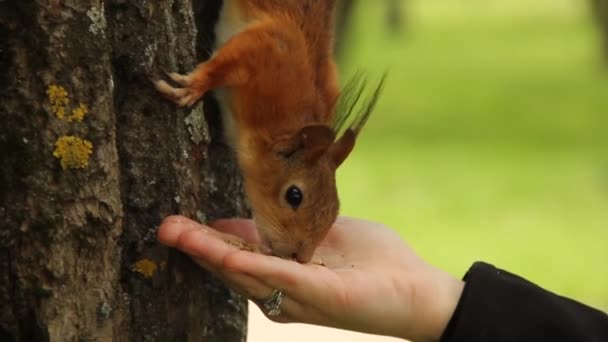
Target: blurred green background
column 490, row 140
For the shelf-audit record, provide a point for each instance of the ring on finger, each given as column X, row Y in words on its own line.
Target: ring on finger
column 272, row 304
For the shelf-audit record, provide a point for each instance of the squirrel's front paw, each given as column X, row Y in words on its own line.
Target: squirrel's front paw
column 187, row 95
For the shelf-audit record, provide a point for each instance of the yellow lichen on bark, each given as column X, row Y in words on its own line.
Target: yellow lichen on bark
column 146, row 267
column 78, row 113
column 74, row 152
column 58, row 97
column 59, row 100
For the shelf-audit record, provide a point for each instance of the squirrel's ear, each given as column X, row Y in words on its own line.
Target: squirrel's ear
column 308, row 145
column 343, row 147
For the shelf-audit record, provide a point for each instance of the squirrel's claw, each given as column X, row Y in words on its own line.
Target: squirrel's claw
column 182, row 80
column 187, row 93
column 180, row 96
column 163, row 87
column 186, row 101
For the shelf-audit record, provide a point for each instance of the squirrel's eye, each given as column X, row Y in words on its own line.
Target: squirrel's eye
column 294, row 196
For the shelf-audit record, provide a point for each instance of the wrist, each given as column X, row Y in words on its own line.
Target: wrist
column 435, row 304
column 449, row 296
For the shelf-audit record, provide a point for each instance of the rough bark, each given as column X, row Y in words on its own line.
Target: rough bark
column 78, row 255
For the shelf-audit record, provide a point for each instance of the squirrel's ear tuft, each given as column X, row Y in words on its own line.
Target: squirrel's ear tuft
column 353, row 113
column 307, row 145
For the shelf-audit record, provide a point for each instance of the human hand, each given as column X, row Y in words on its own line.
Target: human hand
column 363, row 277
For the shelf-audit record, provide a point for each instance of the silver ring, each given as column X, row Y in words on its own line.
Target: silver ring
column 273, row 303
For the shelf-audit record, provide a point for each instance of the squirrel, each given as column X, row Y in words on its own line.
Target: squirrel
column 275, row 77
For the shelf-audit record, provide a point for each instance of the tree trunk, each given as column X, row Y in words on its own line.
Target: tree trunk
column 600, row 11
column 394, row 15
column 91, row 160
column 344, row 10
column 394, row 19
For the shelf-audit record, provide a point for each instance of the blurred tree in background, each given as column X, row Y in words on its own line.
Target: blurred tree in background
column 343, row 15
column 394, row 19
column 394, row 15
column 600, row 10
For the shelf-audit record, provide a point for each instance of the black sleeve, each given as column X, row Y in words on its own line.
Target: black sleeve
column 498, row 306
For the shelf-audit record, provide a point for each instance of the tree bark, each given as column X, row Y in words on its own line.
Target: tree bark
column 91, row 160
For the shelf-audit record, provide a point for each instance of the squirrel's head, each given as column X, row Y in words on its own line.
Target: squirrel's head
column 291, row 180
column 293, row 191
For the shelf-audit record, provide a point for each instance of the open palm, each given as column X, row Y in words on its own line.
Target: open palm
column 363, row 276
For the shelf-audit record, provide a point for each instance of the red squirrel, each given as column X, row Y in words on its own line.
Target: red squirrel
column 275, row 77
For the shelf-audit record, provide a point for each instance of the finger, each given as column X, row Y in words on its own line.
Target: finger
column 172, row 227
column 206, row 245
column 291, row 311
column 207, row 248
column 199, row 240
column 296, row 279
column 254, row 290
column 315, row 288
column 202, row 263
column 259, row 293
column 240, row 227
column 246, row 285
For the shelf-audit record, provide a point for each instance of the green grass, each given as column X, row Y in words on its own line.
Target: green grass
column 490, row 141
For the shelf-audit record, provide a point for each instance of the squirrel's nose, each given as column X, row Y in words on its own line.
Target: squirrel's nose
column 304, row 255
